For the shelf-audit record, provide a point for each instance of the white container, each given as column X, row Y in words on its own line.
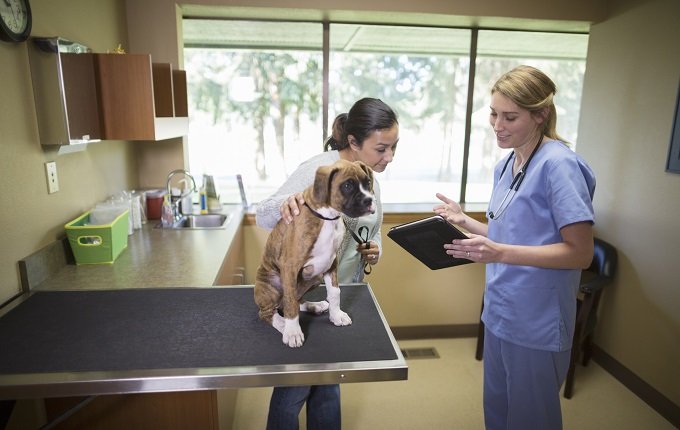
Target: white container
column 106, row 212
column 186, row 204
column 136, row 211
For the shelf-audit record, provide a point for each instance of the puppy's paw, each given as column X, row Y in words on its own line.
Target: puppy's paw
column 292, row 333
column 340, row 318
column 294, row 340
column 315, row 307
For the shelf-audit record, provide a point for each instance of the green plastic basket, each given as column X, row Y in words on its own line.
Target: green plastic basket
column 97, row 244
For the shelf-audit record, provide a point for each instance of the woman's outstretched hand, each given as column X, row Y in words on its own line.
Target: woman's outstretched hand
column 450, row 210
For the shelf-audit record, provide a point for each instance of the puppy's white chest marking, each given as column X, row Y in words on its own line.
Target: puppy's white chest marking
column 324, row 249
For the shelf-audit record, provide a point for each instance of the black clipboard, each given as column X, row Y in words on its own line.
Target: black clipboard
column 425, row 239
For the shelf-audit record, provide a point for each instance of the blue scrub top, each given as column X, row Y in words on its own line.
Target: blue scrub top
column 526, row 305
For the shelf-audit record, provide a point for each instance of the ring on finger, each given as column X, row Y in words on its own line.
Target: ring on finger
column 467, row 253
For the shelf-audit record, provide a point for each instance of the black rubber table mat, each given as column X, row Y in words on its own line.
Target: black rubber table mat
column 76, row 331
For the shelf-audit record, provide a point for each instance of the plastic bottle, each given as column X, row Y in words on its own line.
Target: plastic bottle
column 174, row 196
column 203, row 195
column 187, row 202
column 166, row 212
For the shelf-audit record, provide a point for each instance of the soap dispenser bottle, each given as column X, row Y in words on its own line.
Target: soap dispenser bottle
column 166, row 212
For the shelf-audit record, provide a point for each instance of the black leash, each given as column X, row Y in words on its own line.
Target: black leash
column 363, row 231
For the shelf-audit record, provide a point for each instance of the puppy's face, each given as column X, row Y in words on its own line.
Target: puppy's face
column 346, row 187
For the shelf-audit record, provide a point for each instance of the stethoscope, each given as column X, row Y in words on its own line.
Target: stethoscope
column 516, row 182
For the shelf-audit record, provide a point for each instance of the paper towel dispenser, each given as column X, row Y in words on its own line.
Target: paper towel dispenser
column 65, row 92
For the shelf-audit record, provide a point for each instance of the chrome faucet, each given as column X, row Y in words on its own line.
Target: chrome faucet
column 176, row 215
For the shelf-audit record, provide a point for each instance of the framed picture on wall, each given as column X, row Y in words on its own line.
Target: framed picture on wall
column 673, row 164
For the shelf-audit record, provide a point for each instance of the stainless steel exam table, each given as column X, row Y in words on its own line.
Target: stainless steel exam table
column 73, row 343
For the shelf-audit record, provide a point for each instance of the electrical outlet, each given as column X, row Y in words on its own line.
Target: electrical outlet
column 52, row 179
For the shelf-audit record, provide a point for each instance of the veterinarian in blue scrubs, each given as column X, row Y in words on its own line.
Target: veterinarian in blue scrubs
column 369, row 132
column 538, row 238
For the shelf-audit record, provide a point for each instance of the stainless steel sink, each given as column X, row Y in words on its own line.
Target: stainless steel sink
column 200, row 222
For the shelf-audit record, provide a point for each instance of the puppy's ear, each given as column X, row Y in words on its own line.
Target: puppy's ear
column 322, row 183
column 368, row 171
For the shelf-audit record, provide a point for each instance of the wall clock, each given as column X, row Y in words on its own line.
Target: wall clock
column 15, row 20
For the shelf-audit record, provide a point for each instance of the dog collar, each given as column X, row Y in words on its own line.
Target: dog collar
column 318, row 215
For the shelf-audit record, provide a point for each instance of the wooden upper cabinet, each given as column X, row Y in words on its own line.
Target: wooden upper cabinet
column 125, row 96
column 137, row 98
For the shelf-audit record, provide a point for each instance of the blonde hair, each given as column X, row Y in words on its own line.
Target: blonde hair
column 533, row 90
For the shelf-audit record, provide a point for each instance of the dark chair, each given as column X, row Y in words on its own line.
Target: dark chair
column 593, row 280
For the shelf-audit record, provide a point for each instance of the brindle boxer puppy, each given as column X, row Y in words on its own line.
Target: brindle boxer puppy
column 299, row 255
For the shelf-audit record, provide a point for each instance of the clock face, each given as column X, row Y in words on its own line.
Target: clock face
column 15, row 20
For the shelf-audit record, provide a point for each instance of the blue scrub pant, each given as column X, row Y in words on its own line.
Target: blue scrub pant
column 323, row 407
column 522, row 386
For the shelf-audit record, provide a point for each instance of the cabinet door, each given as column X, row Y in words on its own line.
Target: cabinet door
column 232, row 271
column 168, row 411
column 126, row 96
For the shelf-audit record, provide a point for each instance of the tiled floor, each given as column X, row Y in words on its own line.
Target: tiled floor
column 445, row 393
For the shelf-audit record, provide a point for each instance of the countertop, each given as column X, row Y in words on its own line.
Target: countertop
column 81, row 343
column 156, row 258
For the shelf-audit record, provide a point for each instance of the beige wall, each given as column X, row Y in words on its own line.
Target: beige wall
column 629, row 97
column 31, row 218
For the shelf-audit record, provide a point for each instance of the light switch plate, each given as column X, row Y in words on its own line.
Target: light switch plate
column 52, row 179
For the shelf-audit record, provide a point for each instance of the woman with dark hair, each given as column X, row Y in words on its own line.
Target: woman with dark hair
column 369, row 132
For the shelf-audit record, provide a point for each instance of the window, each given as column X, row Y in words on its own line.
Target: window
column 254, row 101
column 256, row 105
column 422, row 73
column 560, row 56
